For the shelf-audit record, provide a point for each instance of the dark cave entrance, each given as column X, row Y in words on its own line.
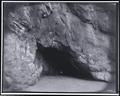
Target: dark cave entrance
column 62, row 62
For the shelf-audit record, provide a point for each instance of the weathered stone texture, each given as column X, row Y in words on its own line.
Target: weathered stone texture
column 85, row 28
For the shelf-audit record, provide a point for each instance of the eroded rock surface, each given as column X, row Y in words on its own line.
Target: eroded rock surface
column 19, row 61
column 85, row 28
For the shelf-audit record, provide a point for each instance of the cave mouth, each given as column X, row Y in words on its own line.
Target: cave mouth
column 62, row 62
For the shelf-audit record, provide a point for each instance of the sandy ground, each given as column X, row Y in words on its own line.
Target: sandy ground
column 66, row 84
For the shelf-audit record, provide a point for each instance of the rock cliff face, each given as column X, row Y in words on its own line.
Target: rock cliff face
column 85, row 31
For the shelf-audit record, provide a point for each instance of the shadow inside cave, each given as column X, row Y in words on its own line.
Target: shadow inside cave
column 63, row 62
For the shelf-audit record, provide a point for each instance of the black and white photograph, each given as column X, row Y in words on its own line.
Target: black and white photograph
column 59, row 47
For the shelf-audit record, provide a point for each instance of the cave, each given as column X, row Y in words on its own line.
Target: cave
column 62, row 62
column 59, row 47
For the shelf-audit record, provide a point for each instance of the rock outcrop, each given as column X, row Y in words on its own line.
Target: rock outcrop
column 84, row 28
column 19, row 61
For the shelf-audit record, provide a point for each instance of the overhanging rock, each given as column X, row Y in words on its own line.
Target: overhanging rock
column 84, row 28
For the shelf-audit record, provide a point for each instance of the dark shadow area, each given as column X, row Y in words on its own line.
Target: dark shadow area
column 63, row 62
